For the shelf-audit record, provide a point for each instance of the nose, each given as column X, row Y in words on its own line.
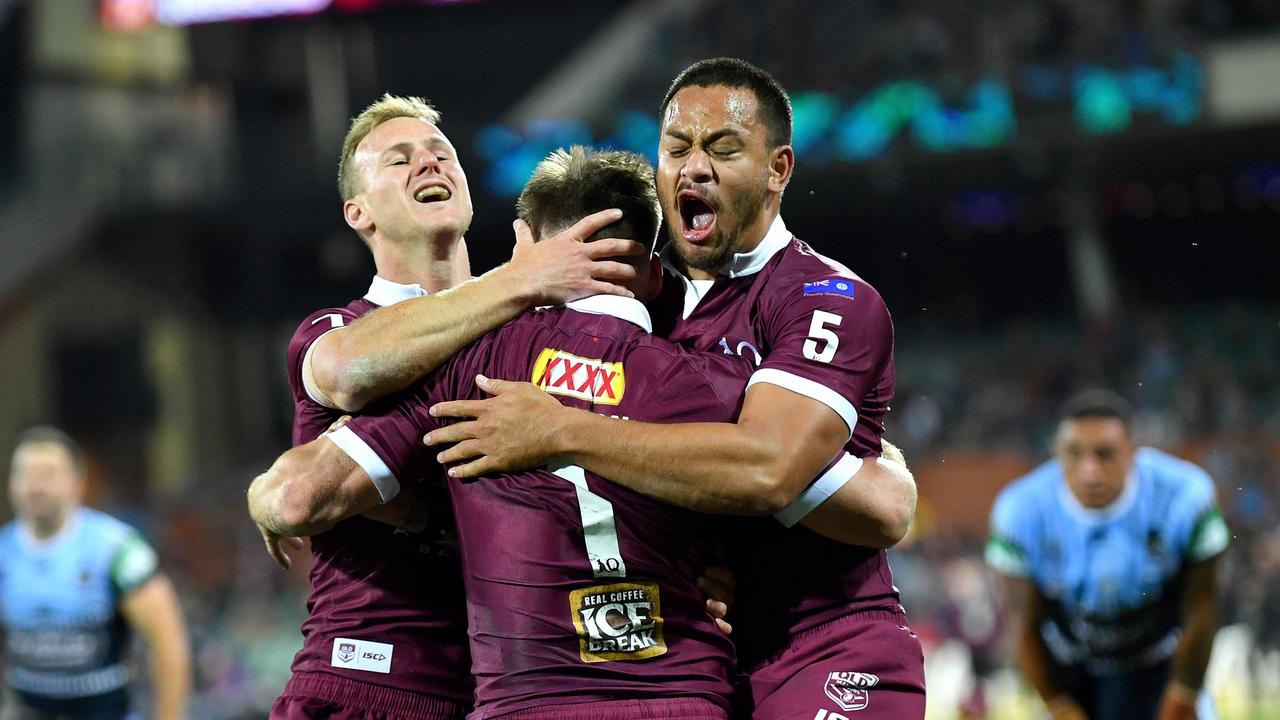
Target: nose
column 697, row 168
column 425, row 161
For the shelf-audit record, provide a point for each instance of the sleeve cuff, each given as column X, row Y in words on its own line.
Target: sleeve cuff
column 809, row 389
column 357, row 449
column 819, row 490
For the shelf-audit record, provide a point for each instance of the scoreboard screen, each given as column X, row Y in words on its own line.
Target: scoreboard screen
column 130, row 15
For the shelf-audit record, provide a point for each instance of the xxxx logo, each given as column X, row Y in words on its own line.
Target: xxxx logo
column 596, row 381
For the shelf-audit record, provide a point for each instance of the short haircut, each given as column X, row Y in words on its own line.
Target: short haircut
column 49, row 435
column 1097, row 403
column 570, row 185
column 389, row 107
column 773, row 103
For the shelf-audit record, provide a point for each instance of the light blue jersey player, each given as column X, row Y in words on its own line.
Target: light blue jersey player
column 1113, row 549
column 73, row 581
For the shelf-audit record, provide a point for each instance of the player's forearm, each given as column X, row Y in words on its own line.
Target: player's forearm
column 387, row 350
column 300, row 497
column 1191, row 657
column 874, row 509
column 170, row 662
column 1035, row 663
column 719, row 468
column 153, row 610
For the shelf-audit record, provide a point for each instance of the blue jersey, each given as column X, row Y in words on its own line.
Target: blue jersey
column 1110, row 574
column 64, row 635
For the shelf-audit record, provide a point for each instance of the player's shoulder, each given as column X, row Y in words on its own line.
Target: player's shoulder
column 1030, row 493
column 1173, row 475
column 330, row 317
column 103, row 528
column 803, row 271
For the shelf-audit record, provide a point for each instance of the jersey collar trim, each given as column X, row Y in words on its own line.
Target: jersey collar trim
column 31, row 543
column 383, row 292
column 1095, row 516
column 750, row 263
column 629, row 309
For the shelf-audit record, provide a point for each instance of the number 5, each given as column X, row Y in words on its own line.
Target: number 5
column 819, row 331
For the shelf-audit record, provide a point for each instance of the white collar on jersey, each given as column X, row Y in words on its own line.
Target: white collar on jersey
column 740, row 265
column 623, row 308
column 383, row 292
column 747, row 263
column 1096, row 516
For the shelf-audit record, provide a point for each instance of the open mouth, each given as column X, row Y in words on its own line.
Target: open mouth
column 697, row 217
column 432, row 193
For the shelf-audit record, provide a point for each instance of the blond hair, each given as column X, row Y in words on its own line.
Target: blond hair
column 389, row 107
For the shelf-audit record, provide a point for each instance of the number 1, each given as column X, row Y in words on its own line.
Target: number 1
column 598, row 527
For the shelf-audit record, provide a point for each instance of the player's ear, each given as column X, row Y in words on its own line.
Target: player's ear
column 655, row 278
column 782, row 160
column 357, row 217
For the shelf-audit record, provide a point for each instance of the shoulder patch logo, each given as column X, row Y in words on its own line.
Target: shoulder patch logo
column 596, row 381
column 850, row 690
column 837, row 286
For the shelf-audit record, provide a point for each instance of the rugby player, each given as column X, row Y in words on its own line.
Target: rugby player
column 581, row 594
column 821, row 632
column 378, row 641
column 1111, row 552
column 73, row 583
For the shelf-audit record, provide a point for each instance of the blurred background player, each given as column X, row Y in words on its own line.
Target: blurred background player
column 1111, row 554
column 821, row 628
column 405, row 194
column 73, row 583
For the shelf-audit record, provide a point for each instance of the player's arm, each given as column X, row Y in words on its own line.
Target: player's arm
column 311, row 488
column 756, row 466
column 1199, row 593
column 873, row 509
column 1027, row 607
column 153, row 610
column 388, row 349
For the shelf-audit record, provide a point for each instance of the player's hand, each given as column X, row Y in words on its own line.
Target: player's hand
column 563, row 267
column 336, row 424
column 1178, row 703
column 509, row 431
column 717, row 582
column 279, row 546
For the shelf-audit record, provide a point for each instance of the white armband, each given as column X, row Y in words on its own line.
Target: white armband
column 357, row 449
column 819, row 490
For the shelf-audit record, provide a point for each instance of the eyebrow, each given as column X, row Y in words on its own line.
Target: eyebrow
column 710, row 139
column 435, row 141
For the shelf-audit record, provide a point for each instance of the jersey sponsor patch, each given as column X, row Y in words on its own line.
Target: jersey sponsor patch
column 622, row 621
column 850, row 690
column 843, row 288
column 363, row 655
column 593, row 380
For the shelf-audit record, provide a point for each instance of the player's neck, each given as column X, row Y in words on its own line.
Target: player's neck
column 43, row 529
column 437, row 264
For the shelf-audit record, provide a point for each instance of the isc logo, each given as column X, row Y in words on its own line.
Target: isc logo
column 618, row 622
column 596, row 381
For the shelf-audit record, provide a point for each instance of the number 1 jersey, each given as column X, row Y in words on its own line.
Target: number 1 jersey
column 578, row 590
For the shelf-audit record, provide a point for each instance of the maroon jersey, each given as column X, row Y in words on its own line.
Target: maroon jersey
column 809, row 325
column 578, row 590
column 386, row 609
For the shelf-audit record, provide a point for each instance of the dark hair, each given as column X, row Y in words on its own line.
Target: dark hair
column 47, row 434
column 773, row 104
column 1097, row 403
column 569, row 185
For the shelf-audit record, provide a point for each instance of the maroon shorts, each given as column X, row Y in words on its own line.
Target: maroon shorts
column 865, row 666
column 667, row 709
column 315, row 696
